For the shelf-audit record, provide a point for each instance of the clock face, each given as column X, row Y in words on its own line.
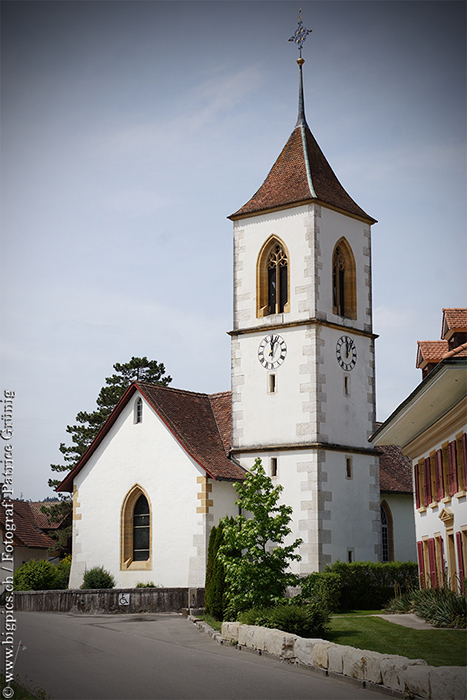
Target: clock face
column 346, row 352
column 272, row 351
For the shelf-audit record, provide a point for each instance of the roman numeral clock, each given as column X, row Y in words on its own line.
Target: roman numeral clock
column 272, row 351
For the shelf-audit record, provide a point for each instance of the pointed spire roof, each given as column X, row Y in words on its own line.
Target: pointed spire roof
column 301, row 175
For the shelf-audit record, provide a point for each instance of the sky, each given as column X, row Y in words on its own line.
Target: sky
column 132, row 130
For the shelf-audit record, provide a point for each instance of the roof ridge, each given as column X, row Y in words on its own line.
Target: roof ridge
column 172, row 388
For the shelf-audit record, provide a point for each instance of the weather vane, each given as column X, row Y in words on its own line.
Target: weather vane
column 300, row 33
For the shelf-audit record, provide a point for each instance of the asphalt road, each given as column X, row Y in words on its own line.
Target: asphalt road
column 156, row 657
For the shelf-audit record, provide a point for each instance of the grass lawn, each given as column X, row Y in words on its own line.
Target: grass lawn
column 437, row 647
column 21, row 692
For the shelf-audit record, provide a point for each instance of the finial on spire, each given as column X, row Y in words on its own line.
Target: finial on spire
column 299, row 36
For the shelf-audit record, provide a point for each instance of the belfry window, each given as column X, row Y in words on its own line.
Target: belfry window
column 273, row 279
column 344, row 287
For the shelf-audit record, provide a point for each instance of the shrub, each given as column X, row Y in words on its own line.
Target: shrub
column 325, row 586
column 63, row 572
column 215, row 596
column 149, row 584
column 33, row 575
column 441, row 607
column 304, row 619
column 98, row 577
column 369, row 586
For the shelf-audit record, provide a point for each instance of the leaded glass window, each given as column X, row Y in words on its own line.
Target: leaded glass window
column 141, row 526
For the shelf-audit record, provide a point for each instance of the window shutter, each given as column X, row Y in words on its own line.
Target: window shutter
column 432, row 562
column 443, row 567
column 427, row 479
column 421, row 564
column 452, row 462
column 464, row 458
column 460, row 560
column 439, row 475
column 417, row 485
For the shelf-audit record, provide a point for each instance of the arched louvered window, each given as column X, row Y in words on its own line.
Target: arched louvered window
column 344, row 283
column 138, row 418
column 273, row 279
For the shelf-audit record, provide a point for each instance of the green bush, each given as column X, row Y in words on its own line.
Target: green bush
column 63, row 572
column 325, row 586
column 369, row 586
column 150, row 584
column 33, row 575
column 308, row 619
column 441, row 607
column 98, row 577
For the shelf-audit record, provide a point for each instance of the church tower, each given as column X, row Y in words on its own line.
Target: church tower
column 303, row 370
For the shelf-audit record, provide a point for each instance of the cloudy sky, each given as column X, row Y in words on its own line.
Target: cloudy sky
column 131, row 130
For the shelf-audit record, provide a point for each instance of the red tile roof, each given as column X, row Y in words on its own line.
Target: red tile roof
column 395, row 470
column 460, row 351
column 200, row 423
column 27, row 532
column 454, row 319
column 301, row 174
column 431, row 351
column 41, row 518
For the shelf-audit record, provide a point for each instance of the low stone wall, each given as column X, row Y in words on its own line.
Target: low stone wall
column 408, row 676
column 110, row 600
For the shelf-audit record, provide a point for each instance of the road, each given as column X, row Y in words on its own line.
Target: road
column 156, row 657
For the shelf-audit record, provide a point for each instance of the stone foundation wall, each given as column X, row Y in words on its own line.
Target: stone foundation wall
column 408, row 676
column 112, row 600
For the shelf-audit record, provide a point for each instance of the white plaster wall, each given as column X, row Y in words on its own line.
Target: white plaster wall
column 402, row 510
column 146, row 454
column 330, row 513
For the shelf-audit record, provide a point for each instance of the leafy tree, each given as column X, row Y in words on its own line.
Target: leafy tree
column 87, row 427
column 216, row 588
column 258, row 577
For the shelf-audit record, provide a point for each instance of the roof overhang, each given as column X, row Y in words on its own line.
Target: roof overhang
column 443, row 388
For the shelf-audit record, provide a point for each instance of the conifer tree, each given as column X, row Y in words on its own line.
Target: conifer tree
column 88, row 425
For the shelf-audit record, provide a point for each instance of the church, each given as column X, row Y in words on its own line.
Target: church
column 160, row 473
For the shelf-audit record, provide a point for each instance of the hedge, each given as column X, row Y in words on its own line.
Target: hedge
column 369, row 586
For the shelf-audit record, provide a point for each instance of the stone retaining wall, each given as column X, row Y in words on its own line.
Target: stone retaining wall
column 110, row 600
column 409, row 676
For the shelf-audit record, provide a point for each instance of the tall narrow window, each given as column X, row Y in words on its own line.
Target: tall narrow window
column 273, row 279
column 344, row 283
column 273, row 466
column 138, row 416
column 135, row 552
column 141, row 529
column 387, row 533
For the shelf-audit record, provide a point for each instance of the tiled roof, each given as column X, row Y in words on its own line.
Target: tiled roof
column 200, row 423
column 431, row 351
column 41, row 518
column 27, row 532
column 301, row 174
column 395, row 470
column 454, row 319
column 192, row 420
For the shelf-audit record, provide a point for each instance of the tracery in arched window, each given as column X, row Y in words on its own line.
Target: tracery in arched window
column 273, row 279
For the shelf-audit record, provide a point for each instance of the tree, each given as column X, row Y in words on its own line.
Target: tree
column 88, row 425
column 260, row 576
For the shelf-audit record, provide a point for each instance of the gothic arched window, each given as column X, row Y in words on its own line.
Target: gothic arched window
column 344, row 283
column 273, row 279
column 136, row 530
column 387, row 539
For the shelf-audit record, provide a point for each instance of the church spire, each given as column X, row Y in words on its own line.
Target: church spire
column 301, row 173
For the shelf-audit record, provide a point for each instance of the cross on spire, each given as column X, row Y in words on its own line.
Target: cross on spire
column 300, row 33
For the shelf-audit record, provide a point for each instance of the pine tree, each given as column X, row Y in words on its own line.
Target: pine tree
column 87, row 427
